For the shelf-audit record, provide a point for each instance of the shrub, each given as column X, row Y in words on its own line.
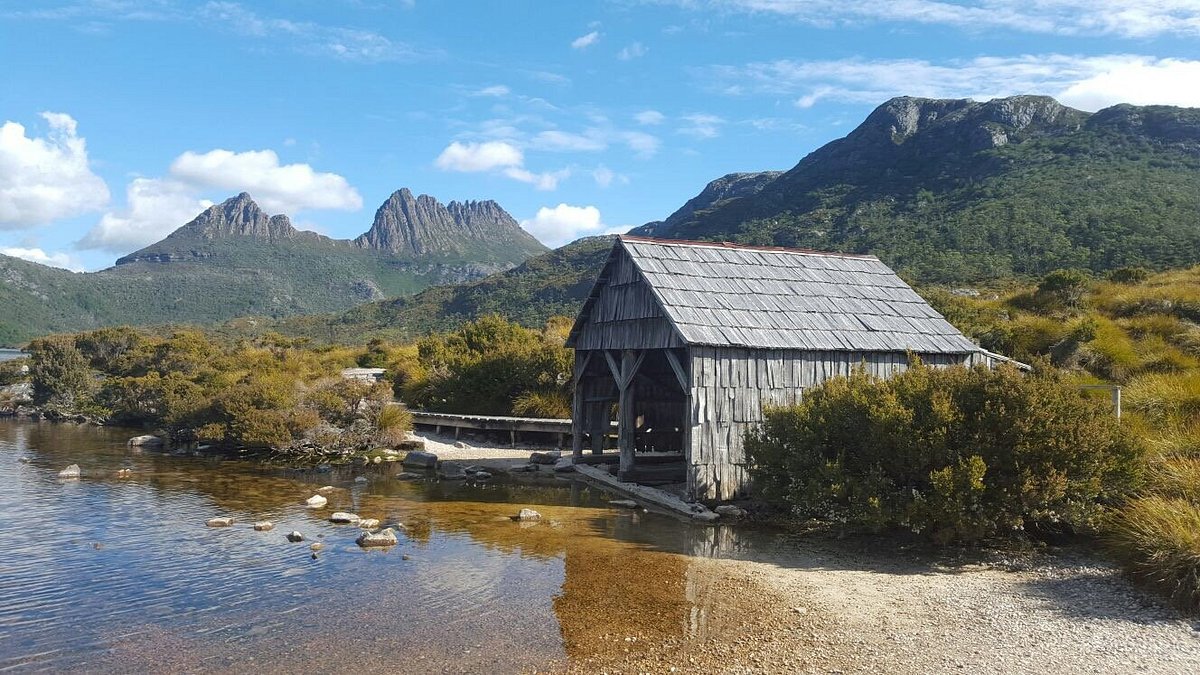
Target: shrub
column 1066, row 287
column 1129, row 275
column 13, row 371
column 59, row 372
column 392, row 424
column 957, row 454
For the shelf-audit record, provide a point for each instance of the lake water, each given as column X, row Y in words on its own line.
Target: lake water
column 121, row 574
column 10, row 354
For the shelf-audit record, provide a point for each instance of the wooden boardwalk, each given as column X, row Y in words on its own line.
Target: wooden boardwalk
column 542, row 425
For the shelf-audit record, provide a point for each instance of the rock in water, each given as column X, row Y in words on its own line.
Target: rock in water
column 383, row 538
column 526, row 515
column 623, row 503
column 409, row 475
column 451, row 471
column 72, row 471
column 544, row 457
column 145, row 442
column 343, row 517
column 264, row 526
column 731, row 511
column 564, row 465
column 316, row 502
column 360, row 479
column 295, row 536
column 223, row 521
column 316, row 546
column 420, row 460
column 327, row 488
column 369, row 523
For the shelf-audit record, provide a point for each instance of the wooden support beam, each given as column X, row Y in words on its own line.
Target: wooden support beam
column 577, row 410
column 626, row 413
column 613, row 367
column 680, row 373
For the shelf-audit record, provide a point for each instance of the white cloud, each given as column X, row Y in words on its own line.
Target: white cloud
column 497, row 90
column 565, row 223
column 496, row 156
column 44, row 179
column 472, row 157
column 585, row 41
column 1065, row 17
column 39, row 256
column 287, row 188
column 154, row 207
column 554, row 140
column 649, row 117
column 633, row 51
column 1088, row 82
column 643, row 145
column 702, row 126
column 1140, row 82
column 306, row 37
column 605, row 177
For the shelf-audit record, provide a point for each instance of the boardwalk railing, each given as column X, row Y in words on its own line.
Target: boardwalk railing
column 561, row 427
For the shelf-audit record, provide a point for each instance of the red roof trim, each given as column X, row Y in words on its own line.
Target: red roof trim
column 745, row 247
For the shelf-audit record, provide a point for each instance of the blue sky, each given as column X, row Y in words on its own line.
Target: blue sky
column 121, row 119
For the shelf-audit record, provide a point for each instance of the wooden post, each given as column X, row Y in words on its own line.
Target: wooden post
column 577, row 409
column 626, row 413
column 600, row 425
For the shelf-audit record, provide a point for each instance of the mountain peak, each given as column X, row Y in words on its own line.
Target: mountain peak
column 988, row 124
column 422, row 225
column 239, row 216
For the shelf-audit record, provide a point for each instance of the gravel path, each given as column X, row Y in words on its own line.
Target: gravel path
column 826, row 611
column 444, row 446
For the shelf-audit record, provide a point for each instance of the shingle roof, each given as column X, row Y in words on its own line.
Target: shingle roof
column 774, row 298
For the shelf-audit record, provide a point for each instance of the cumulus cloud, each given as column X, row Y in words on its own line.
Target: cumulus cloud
column 276, row 187
column 565, row 223
column 649, row 117
column 47, row 178
column 605, row 176
column 1088, row 82
column 1065, row 17
column 154, row 207
column 41, row 257
column 632, row 51
column 585, row 41
column 496, row 156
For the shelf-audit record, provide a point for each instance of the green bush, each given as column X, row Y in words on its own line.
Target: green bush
column 957, row 454
column 1158, row 539
column 60, row 374
column 12, row 371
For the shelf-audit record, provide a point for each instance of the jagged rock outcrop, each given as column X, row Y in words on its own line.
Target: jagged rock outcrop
column 417, row 226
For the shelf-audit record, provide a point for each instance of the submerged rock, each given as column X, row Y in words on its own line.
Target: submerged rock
column 326, row 488
column 223, row 521
column 420, row 460
column 316, row 546
column 294, row 536
column 264, row 526
column 623, row 503
column 524, row 468
column 145, row 442
column 368, row 523
column 316, row 502
column 124, row 473
column 564, row 465
column 360, row 479
column 526, row 515
column 409, row 475
column 72, row 471
column 383, row 538
column 343, row 517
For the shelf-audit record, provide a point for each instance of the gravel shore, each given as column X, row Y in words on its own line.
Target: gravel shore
column 824, row 610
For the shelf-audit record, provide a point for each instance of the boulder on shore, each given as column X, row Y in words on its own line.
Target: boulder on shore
column 383, row 538
column 525, row 515
column 146, row 441
column 223, row 521
column 343, row 517
column 420, row 460
column 544, row 457
column 72, row 471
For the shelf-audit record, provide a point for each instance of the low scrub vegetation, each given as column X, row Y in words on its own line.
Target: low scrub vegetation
column 958, row 454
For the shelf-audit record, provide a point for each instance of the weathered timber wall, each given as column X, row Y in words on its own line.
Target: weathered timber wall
column 730, row 386
column 626, row 315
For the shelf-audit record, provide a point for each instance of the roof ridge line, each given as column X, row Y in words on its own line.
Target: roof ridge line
column 744, row 247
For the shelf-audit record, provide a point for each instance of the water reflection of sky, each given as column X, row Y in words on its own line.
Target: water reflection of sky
column 110, row 574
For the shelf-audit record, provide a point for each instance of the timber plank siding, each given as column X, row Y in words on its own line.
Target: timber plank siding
column 689, row 342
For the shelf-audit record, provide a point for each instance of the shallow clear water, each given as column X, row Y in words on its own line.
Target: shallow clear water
column 120, row 574
column 10, row 354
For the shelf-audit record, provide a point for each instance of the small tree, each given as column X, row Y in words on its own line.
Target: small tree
column 1066, row 287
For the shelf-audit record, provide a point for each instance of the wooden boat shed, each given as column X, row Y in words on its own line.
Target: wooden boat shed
column 689, row 340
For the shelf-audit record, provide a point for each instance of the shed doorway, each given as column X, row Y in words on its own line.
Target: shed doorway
column 646, row 442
